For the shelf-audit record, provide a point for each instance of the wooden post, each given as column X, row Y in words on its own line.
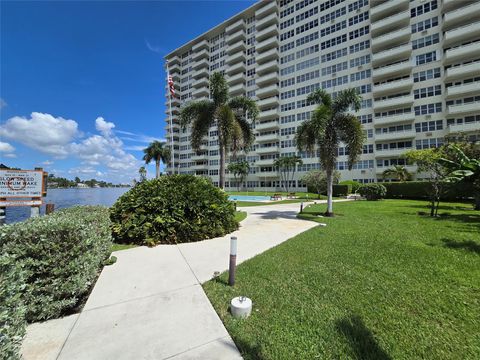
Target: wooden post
column 35, row 209
column 49, row 208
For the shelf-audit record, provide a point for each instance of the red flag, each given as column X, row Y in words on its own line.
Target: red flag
column 171, row 86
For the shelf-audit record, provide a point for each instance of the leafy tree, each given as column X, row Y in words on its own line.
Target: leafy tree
column 397, row 172
column 157, row 152
column 240, row 170
column 329, row 125
column 317, row 179
column 77, row 179
column 428, row 162
column 461, row 167
column 229, row 116
column 287, row 165
column 143, row 173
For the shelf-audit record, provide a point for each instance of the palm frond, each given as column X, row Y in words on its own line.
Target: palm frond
column 242, row 136
column 320, row 97
column 345, row 99
column 242, row 105
column 194, row 110
column 350, row 132
column 218, row 89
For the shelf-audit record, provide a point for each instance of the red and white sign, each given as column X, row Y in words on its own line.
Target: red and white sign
column 4, row 203
column 21, row 183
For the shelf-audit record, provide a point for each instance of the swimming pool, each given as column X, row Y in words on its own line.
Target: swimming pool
column 248, row 198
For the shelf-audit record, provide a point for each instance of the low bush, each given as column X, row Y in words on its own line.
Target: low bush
column 61, row 255
column 420, row 190
column 172, row 209
column 12, row 308
column 341, row 190
column 373, row 191
column 355, row 185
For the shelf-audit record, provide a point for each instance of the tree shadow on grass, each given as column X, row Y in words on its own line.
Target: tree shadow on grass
column 467, row 245
column 361, row 339
column 249, row 351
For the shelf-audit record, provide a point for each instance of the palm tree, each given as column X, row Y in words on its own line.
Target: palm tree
column 397, row 172
column 159, row 153
column 287, row 166
column 143, row 173
column 240, row 170
column 228, row 114
column 329, row 125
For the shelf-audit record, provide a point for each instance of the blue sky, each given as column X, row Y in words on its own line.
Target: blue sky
column 82, row 83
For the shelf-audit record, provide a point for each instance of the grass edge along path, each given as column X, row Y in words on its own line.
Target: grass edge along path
column 379, row 282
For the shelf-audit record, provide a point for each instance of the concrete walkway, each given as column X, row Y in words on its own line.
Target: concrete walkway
column 150, row 304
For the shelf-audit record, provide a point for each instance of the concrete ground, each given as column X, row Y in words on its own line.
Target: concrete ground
column 150, row 303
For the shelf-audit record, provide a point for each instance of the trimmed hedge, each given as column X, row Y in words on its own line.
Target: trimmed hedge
column 172, row 209
column 420, row 190
column 355, row 185
column 373, row 191
column 61, row 255
column 341, row 190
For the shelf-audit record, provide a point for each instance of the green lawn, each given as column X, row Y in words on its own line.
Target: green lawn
column 240, row 215
column 379, row 282
column 300, row 195
column 118, row 247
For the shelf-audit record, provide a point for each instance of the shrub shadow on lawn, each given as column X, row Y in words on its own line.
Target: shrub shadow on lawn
column 249, row 351
column 361, row 339
column 467, row 245
column 278, row 214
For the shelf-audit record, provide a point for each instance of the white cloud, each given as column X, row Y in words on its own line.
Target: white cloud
column 9, row 155
column 103, row 126
column 137, row 137
column 6, row 147
column 42, row 132
column 3, row 103
column 47, row 163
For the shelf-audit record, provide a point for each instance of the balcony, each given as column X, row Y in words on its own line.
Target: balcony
column 392, row 87
column 394, row 70
column 462, row 53
column 200, row 166
column 267, row 125
column 388, row 8
column 202, row 82
column 268, row 8
column 461, row 16
column 268, row 32
column 412, row 169
column 385, row 153
column 200, row 63
column 451, row 5
column 175, row 75
column 393, row 102
column 268, row 115
column 267, row 79
column 267, row 91
column 235, row 57
column 174, row 67
column 266, row 21
column 238, row 89
column 240, row 67
column 268, row 102
column 267, row 174
column 265, row 162
column 462, row 71
column 390, row 55
column 238, row 35
column 235, row 47
column 271, row 54
column 464, row 108
column 237, row 25
column 394, row 119
column 391, row 39
column 268, row 150
column 463, row 90
column 267, row 67
column 174, row 60
column 234, row 79
column 267, row 44
column 201, row 72
column 266, row 138
column 200, row 54
column 396, row 135
column 203, row 44
column 391, row 23
column 462, row 34
column 200, row 92
column 197, row 157
column 475, row 126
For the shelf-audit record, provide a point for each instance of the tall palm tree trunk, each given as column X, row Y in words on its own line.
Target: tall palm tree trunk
column 329, row 172
column 222, row 166
column 157, row 168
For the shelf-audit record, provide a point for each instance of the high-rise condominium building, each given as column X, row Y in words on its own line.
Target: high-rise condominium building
column 416, row 64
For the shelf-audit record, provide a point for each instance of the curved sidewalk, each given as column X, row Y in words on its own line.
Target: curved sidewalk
column 150, row 303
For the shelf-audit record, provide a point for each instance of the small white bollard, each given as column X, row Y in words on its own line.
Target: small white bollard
column 241, row 307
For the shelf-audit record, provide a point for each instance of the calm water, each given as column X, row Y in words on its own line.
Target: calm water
column 63, row 198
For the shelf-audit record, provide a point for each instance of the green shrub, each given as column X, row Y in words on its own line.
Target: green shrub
column 355, row 185
column 12, row 308
column 341, row 190
column 172, row 209
column 61, row 255
column 420, row 190
column 373, row 191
